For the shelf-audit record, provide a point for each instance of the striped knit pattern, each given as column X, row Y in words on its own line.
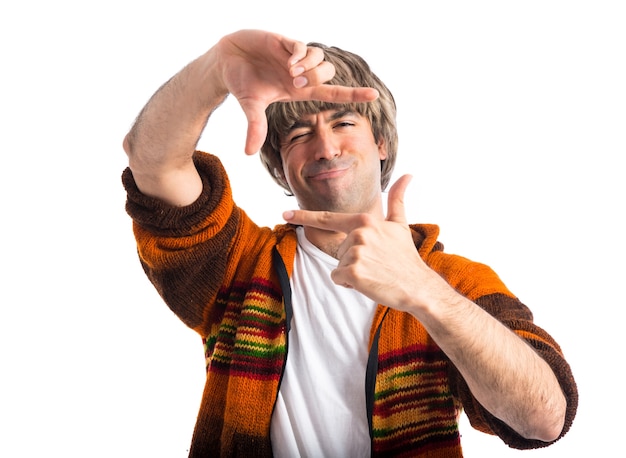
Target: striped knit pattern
column 250, row 340
column 414, row 410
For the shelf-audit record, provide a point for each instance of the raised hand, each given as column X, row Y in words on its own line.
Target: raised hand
column 259, row 68
column 256, row 67
column 377, row 257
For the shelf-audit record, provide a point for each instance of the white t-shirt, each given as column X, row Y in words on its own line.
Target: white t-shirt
column 320, row 411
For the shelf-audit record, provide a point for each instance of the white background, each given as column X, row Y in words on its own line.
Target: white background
column 512, row 120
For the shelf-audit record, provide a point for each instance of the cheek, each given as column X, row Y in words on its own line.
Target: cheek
column 291, row 165
column 288, row 174
column 287, row 178
column 283, row 172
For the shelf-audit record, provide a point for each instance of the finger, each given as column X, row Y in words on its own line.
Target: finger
column 307, row 66
column 298, row 52
column 313, row 70
column 329, row 221
column 257, row 126
column 306, row 58
column 395, row 200
column 342, row 94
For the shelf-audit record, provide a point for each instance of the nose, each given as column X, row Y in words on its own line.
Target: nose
column 326, row 145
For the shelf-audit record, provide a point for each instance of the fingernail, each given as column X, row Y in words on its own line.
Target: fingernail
column 288, row 215
column 297, row 71
column 300, row 81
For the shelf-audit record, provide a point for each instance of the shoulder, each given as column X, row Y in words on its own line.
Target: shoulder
column 473, row 279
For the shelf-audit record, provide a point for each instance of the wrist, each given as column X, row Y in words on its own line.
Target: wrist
column 205, row 76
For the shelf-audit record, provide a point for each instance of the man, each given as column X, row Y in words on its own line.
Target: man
column 347, row 331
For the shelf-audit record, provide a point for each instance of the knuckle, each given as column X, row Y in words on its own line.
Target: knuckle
column 359, row 236
column 325, row 217
column 366, row 220
column 316, row 52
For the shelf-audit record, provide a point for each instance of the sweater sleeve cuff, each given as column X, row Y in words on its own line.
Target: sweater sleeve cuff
column 165, row 219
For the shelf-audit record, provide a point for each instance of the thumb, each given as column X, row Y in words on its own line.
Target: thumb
column 395, row 200
column 257, row 125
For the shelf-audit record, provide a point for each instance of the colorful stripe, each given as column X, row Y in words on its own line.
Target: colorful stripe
column 414, row 409
column 249, row 341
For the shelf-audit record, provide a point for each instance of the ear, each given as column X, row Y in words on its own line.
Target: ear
column 382, row 149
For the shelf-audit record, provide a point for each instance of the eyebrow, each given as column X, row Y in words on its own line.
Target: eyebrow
column 336, row 115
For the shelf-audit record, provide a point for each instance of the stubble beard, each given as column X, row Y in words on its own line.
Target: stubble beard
column 357, row 199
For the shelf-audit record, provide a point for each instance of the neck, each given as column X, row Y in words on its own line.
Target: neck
column 326, row 241
column 329, row 241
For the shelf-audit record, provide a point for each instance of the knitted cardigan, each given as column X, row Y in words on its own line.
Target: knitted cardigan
column 228, row 280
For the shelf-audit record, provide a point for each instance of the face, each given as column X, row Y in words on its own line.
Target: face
column 331, row 161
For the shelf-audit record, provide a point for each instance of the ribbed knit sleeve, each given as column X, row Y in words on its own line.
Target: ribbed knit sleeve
column 184, row 250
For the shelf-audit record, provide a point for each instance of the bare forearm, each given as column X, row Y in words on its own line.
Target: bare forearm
column 503, row 372
column 161, row 143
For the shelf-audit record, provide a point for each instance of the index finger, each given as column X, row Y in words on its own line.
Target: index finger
column 325, row 220
column 343, row 94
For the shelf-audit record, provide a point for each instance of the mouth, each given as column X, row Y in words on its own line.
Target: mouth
column 328, row 174
column 327, row 171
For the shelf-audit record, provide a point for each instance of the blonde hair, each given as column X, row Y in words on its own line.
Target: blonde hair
column 351, row 71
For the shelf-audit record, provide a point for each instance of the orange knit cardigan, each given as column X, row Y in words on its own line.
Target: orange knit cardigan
column 228, row 280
